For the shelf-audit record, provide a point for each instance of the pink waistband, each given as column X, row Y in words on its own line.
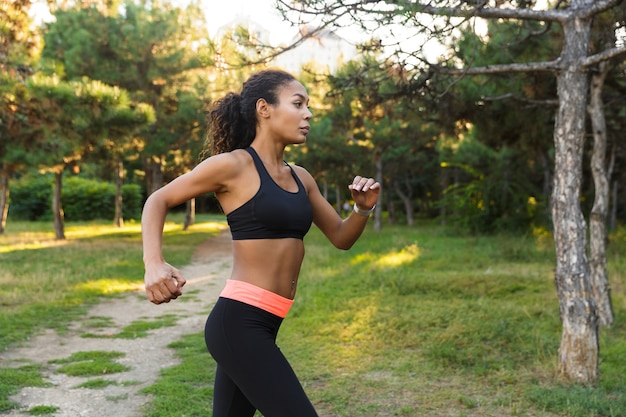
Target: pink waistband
column 257, row 297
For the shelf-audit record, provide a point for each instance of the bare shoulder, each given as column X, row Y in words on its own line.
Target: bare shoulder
column 306, row 178
column 303, row 174
column 215, row 174
column 229, row 161
column 223, row 167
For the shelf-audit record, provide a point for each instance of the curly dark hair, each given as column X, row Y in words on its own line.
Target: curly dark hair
column 231, row 122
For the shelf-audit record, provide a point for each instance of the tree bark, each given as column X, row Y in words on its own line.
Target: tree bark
column 154, row 174
column 190, row 213
column 119, row 199
column 4, row 201
column 407, row 201
column 599, row 212
column 57, row 207
column 578, row 350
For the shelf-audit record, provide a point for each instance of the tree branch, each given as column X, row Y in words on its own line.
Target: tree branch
column 515, row 97
column 599, row 6
column 548, row 66
column 497, row 13
column 603, row 56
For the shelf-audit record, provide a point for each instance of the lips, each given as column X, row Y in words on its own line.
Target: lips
column 304, row 130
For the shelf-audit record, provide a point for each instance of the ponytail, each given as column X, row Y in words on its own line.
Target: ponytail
column 228, row 128
column 231, row 122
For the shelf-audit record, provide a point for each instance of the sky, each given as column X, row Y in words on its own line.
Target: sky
column 220, row 12
column 262, row 12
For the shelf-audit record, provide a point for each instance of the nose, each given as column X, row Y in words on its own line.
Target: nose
column 308, row 115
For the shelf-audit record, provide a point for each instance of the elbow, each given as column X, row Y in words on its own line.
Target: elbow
column 155, row 202
column 343, row 245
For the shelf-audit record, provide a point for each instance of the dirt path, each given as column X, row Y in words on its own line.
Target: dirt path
column 145, row 356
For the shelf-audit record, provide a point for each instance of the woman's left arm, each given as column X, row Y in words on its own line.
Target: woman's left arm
column 342, row 233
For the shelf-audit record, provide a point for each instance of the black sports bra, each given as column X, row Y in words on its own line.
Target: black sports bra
column 272, row 213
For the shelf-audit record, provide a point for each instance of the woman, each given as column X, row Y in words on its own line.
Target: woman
column 269, row 207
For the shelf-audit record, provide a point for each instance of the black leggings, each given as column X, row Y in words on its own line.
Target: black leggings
column 252, row 373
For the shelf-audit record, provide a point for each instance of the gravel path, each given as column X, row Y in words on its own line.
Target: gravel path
column 145, row 356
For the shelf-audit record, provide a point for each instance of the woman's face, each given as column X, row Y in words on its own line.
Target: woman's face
column 290, row 117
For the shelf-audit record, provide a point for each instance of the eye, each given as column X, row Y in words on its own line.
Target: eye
column 298, row 104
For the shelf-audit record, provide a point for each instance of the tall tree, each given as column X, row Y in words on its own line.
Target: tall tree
column 19, row 48
column 600, row 210
column 579, row 346
column 68, row 119
column 149, row 49
column 117, row 140
column 601, row 168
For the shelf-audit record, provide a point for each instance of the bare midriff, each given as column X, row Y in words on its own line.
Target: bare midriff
column 271, row 264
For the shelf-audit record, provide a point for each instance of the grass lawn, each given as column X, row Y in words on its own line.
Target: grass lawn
column 410, row 322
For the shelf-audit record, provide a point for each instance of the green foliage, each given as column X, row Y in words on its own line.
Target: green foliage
column 410, row 319
column 140, row 328
column 85, row 199
column 578, row 401
column 31, row 198
column 96, row 383
column 132, row 197
column 13, row 379
column 192, row 380
column 42, row 410
column 490, row 192
column 82, row 198
column 46, row 285
column 156, row 53
column 91, row 363
column 418, row 321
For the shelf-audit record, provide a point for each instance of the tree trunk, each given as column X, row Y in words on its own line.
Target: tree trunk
column 154, row 174
column 190, row 213
column 599, row 213
column 408, row 203
column 578, row 350
column 119, row 200
column 57, row 208
column 4, row 201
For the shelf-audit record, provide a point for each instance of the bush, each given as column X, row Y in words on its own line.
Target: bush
column 87, row 199
column 31, row 198
column 82, row 199
column 132, row 196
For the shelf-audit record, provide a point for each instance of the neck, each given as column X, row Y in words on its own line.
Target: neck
column 270, row 153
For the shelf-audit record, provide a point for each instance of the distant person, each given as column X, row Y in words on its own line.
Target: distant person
column 347, row 207
column 269, row 206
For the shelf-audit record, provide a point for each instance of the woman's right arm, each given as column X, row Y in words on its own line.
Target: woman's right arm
column 163, row 282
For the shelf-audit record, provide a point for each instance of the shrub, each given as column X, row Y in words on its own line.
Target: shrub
column 82, row 199
column 31, row 197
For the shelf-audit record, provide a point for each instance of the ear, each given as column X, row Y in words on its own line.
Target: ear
column 262, row 108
